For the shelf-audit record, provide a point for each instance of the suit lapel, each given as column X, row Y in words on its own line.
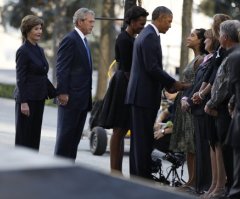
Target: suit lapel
column 82, row 47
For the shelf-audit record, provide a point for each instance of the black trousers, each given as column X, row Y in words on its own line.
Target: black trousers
column 235, row 189
column 203, row 161
column 70, row 126
column 142, row 141
column 223, row 121
column 28, row 129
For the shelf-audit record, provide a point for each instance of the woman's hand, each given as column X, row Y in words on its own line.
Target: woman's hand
column 184, row 105
column 25, row 109
column 196, row 99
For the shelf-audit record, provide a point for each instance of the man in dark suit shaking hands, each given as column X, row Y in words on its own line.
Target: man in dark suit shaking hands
column 74, row 83
column 146, row 82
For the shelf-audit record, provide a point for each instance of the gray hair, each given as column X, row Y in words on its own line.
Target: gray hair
column 160, row 10
column 231, row 29
column 81, row 14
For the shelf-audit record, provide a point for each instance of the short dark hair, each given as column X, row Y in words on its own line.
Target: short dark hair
column 28, row 22
column 160, row 10
column 200, row 32
column 134, row 13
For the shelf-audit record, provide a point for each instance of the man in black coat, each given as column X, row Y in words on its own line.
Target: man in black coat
column 74, row 84
column 146, row 82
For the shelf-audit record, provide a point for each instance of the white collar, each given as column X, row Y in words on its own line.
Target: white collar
column 155, row 28
column 80, row 33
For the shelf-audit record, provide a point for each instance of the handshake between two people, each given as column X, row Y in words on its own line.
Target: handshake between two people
column 178, row 86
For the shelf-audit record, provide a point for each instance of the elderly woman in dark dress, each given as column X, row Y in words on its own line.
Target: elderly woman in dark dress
column 115, row 114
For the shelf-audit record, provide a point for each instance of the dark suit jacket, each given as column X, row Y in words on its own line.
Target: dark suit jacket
column 74, row 72
column 234, row 85
column 147, row 77
column 32, row 68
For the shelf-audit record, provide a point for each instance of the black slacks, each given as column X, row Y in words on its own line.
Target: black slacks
column 235, row 189
column 222, row 122
column 28, row 129
column 70, row 124
column 203, row 162
column 142, row 141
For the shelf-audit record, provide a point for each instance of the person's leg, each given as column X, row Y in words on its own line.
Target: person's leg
column 221, row 174
column 235, row 189
column 228, row 164
column 142, row 132
column 69, row 131
column 28, row 128
column 117, row 149
column 191, row 169
column 37, row 114
column 202, row 156
column 214, row 174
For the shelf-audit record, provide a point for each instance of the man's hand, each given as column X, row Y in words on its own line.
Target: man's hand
column 63, row 99
column 25, row 109
column 178, row 86
column 210, row 111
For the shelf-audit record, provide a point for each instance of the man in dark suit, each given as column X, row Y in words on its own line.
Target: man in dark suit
column 74, row 83
column 146, row 82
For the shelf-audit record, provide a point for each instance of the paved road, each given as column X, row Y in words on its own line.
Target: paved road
column 7, row 132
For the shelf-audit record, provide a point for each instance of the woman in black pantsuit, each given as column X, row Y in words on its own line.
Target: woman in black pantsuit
column 33, row 85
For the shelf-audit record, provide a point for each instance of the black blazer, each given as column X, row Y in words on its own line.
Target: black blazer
column 74, row 72
column 31, row 73
column 147, row 77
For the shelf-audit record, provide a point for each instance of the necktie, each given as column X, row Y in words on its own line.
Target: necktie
column 88, row 50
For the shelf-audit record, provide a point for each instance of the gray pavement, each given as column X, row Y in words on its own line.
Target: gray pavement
column 101, row 163
column 7, row 136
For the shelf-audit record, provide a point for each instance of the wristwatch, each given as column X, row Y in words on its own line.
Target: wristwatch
column 163, row 131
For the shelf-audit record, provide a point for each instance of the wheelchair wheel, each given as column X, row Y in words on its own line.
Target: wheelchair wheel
column 98, row 141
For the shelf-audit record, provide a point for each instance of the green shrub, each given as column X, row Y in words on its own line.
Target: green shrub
column 6, row 90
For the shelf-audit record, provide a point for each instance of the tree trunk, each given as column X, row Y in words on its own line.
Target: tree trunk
column 186, row 29
column 106, row 48
column 59, row 30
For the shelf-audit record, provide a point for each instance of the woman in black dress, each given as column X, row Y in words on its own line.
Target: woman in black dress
column 115, row 114
column 33, row 85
